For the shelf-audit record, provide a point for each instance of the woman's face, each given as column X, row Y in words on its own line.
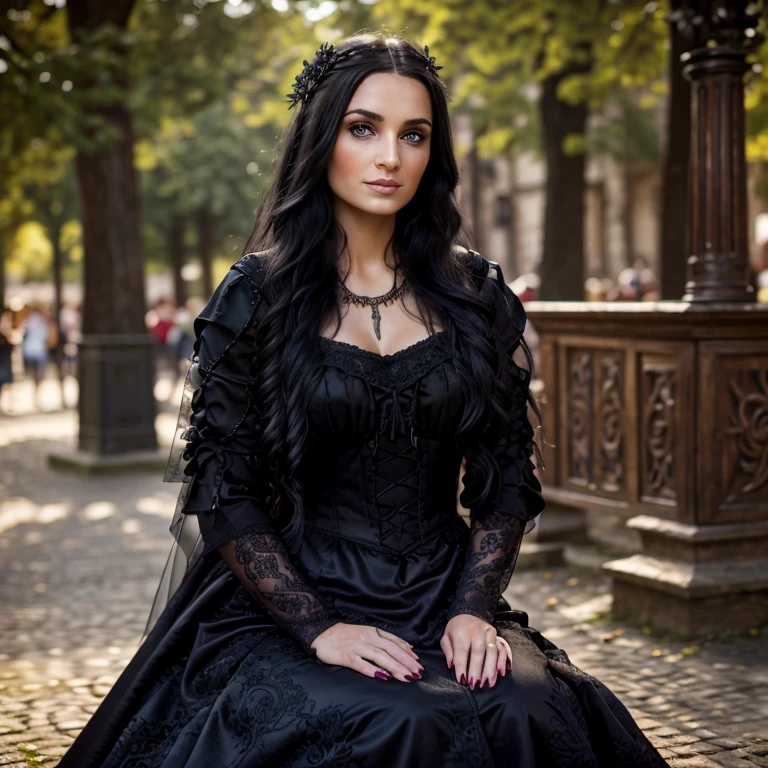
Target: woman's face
column 385, row 136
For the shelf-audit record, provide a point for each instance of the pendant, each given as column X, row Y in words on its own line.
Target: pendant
column 376, row 317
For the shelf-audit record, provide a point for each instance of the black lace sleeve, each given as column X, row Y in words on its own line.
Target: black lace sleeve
column 230, row 489
column 497, row 527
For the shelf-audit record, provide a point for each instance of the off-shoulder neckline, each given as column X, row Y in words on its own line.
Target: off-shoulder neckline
column 367, row 352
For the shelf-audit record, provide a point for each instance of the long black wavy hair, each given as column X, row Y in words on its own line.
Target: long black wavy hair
column 296, row 226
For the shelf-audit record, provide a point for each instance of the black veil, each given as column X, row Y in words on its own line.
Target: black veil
column 187, row 546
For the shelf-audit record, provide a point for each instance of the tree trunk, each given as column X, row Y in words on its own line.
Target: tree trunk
column 562, row 261
column 176, row 230
column 117, row 405
column 476, row 203
column 628, row 216
column 205, row 245
column 673, row 251
column 2, row 274
column 54, row 233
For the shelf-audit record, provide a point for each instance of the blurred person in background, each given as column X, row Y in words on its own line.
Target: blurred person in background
column 160, row 320
column 334, row 607
column 71, row 333
column 181, row 336
column 34, row 346
column 762, row 286
column 6, row 354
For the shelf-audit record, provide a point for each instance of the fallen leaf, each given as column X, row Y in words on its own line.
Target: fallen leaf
column 754, row 631
column 572, row 582
column 657, row 652
column 547, row 575
column 647, row 631
column 552, row 602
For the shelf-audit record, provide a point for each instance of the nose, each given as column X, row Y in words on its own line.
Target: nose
column 389, row 154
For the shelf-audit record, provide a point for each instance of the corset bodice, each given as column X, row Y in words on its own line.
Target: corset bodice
column 382, row 462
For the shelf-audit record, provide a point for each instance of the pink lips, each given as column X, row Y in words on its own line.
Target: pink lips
column 383, row 186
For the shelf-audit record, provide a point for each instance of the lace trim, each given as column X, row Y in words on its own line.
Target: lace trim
column 282, row 589
column 490, row 561
column 389, row 372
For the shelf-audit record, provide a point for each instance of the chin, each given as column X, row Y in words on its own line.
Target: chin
column 380, row 208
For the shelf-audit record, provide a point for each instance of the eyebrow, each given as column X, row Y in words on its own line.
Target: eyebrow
column 379, row 118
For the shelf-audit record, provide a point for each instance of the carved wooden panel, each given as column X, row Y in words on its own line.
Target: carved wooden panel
column 659, row 431
column 594, row 418
column 611, row 405
column 580, row 409
column 734, row 431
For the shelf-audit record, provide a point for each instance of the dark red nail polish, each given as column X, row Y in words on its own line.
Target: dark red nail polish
column 463, row 678
column 482, row 682
column 381, row 675
column 409, row 677
column 450, row 664
column 471, row 682
column 417, row 676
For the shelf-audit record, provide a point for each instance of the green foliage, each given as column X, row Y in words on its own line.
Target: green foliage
column 204, row 86
column 627, row 131
column 494, row 52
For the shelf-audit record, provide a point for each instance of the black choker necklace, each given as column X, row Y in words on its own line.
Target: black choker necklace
column 373, row 301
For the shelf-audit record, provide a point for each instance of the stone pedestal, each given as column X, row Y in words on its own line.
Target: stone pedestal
column 117, row 405
column 694, row 579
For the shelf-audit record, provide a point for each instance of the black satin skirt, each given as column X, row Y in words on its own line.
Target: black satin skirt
column 217, row 685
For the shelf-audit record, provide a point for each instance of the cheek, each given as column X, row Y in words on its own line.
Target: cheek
column 343, row 160
column 418, row 165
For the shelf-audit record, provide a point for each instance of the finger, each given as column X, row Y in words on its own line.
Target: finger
column 369, row 670
column 461, row 659
column 490, row 671
column 445, row 644
column 396, row 652
column 387, row 663
column 504, row 654
column 478, row 654
column 509, row 656
column 399, row 640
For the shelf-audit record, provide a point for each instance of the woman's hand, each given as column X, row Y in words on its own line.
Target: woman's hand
column 465, row 644
column 357, row 645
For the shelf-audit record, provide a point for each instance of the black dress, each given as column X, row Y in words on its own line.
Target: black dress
column 229, row 681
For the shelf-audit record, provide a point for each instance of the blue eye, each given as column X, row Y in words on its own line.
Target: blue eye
column 419, row 136
column 353, row 129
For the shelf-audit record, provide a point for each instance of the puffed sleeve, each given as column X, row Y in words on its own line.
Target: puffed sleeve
column 230, row 485
column 497, row 526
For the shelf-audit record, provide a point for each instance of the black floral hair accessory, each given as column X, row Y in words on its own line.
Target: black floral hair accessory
column 326, row 58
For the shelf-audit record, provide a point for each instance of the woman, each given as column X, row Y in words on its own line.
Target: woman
column 6, row 353
column 336, row 611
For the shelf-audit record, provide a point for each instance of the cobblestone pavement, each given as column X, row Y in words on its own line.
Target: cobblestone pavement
column 79, row 563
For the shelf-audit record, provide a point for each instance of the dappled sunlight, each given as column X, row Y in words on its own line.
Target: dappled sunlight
column 131, row 526
column 19, row 511
column 35, row 427
column 160, row 504
column 98, row 510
